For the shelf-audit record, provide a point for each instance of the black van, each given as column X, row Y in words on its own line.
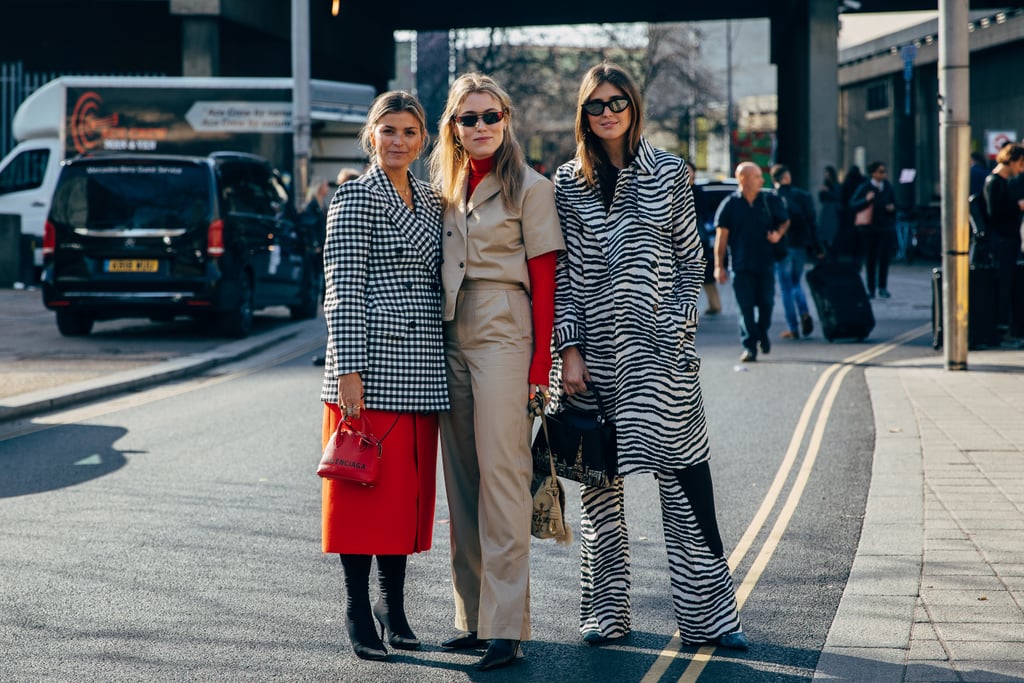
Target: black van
column 161, row 236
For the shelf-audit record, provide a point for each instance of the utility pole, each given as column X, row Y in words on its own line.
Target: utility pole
column 301, row 121
column 691, row 144
column 954, row 148
column 729, row 124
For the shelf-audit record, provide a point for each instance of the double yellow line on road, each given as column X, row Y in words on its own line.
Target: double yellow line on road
column 829, row 383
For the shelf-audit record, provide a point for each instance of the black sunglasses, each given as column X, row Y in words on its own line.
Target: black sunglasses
column 596, row 107
column 469, row 120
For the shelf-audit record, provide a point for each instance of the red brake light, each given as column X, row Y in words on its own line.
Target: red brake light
column 49, row 239
column 215, row 238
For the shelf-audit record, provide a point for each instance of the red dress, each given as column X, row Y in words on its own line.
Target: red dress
column 395, row 517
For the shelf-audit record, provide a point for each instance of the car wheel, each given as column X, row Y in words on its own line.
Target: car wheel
column 73, row 324
column 310, row 304
column 238, row 323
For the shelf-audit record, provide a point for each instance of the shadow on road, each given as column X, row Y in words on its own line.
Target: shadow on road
column 32, row 466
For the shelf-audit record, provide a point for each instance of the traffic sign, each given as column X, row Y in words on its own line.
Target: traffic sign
column 995, row 139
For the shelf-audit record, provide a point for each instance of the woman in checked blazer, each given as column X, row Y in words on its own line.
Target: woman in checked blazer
column 625, row 319
column 384, row 364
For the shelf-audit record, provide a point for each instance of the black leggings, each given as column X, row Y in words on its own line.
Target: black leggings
column 877, row 246
column 696, row 482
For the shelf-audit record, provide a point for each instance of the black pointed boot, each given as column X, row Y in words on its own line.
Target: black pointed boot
column 390, row 609
column 358, row 617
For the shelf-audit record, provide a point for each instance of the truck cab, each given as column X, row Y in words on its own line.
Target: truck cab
column 27, row 181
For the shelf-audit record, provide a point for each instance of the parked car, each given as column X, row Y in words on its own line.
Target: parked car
column 213, row 237
column 714, row 192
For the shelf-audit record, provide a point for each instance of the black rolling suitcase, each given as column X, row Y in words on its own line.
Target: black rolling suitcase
column 842, row 302
column 981, row 307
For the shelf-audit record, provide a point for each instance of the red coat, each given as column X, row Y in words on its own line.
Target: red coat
column 395, row 517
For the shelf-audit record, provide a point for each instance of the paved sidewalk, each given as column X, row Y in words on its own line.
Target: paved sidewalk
column 936, row 592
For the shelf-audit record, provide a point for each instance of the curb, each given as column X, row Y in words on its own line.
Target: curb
column 870, row 635
column 24, row 405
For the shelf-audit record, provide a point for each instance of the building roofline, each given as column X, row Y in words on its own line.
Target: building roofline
column 923, row 33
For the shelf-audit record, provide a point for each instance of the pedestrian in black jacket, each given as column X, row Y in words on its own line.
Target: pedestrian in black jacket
column 802, row 239
column 879, row 235
column 847, row 241
column 1004, row 226
column 829, row 199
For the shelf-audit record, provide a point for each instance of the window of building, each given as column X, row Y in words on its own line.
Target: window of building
column 879, row 100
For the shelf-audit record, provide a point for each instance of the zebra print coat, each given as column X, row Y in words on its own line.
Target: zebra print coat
column 626, row 295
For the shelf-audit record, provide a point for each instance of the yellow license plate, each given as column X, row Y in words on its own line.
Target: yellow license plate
column 127, row 265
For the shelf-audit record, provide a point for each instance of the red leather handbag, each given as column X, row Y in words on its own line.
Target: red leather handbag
column 352, row 455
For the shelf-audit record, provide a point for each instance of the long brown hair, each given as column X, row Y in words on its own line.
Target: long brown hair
column 586, row 144
column 449, row 159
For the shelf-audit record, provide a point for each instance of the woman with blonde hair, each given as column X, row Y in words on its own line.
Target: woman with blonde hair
column 500, row 241
column 385, row 367
column 625, row 320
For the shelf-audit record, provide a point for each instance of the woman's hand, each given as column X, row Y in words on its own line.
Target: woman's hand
column 574, row 371
column 350, row 394
column 540, row 396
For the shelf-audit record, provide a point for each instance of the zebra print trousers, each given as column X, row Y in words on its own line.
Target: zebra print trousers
column 703, row 596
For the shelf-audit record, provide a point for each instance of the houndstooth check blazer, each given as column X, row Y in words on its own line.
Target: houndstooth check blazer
column 383, row 297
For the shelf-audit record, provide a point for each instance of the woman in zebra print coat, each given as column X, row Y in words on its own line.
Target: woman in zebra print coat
column 625, row 319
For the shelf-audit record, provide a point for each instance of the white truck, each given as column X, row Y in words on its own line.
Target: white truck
column 76, row 115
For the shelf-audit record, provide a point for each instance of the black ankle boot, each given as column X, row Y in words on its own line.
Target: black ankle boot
column 358, row 617
column 390, row 609
column 500, row 652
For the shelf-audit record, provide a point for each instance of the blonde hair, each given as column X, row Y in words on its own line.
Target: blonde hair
column 586, row 145
column 313, row 189
column 449, row 159
column 386, row 103
column 345, row 175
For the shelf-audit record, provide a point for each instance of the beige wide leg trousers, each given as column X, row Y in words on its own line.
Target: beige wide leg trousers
column 485, row 447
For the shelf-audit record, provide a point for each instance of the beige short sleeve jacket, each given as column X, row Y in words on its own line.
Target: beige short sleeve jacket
column 485, row 240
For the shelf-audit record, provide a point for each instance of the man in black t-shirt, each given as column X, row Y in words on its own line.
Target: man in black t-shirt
column 747, row 226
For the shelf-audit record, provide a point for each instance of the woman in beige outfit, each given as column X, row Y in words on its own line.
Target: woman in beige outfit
column 500, row 240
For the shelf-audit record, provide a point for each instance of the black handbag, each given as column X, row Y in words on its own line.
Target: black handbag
column 582, row 445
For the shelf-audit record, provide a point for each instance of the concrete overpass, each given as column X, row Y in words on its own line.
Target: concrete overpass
column 253, row 37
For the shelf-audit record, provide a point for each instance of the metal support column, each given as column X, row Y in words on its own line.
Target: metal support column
column 822, row 93
column 301, row 121
column 954, row 150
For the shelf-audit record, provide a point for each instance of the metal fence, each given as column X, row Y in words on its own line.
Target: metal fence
column 15, row 86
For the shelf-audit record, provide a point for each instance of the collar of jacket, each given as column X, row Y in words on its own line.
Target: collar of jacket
column 377, row 177
column 418, row 232
column 644, row 161
column 488, row 188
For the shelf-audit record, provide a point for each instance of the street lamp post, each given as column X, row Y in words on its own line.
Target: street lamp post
column 954, row 148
